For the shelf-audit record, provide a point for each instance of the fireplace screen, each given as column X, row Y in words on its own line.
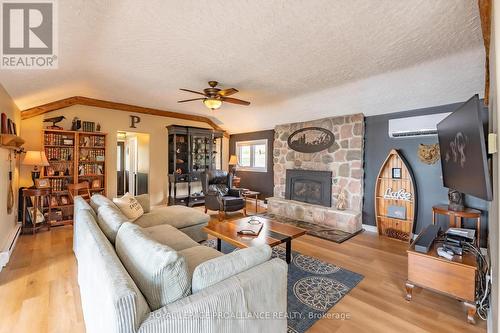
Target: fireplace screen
column 314, row 187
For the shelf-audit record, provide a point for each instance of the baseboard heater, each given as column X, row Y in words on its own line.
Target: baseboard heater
column 5, row 254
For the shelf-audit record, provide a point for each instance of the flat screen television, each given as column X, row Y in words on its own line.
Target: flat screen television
column 464, row 159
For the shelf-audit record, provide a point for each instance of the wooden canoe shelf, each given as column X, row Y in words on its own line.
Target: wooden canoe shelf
column 396, row 190
column 11, row 141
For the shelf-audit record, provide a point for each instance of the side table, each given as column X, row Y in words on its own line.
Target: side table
column 38, row 194
column 455, row 278
column 457, row 216
column 252, row 194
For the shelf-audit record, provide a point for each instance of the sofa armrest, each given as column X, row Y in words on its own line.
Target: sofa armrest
column 234, row 192
column 213, row 201
column 218, row 269
column 252, row 301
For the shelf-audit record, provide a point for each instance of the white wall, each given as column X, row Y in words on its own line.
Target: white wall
column 7, row 222
column 111, row 122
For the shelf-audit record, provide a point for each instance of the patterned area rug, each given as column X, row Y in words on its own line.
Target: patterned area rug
column 314, row 287
column 335, row 235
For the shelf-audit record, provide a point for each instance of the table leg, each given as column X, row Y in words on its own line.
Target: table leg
column 409, row 290
column 219, row 243
column 478, row 231
column 24, row 215
column 471, row 312
column 288, row 251
column 452, row 221
column 256, row 204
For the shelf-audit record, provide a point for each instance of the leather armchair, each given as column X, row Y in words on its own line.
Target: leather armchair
column 219, row 194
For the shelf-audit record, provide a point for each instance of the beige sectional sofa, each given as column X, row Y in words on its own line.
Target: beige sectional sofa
column 152, row 275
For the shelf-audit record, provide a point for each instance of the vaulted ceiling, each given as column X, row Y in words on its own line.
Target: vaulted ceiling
column 293, row 59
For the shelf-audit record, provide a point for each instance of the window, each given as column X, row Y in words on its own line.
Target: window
column 252, row 155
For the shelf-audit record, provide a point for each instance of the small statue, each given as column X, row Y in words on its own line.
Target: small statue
column 76, row 124
column 98, row 127
column 456, row 200
column 342, row 200
column 54, row 121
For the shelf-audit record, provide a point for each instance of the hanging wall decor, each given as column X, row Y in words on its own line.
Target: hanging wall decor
column 311, row 139
column 396, row 198
column 429, row 154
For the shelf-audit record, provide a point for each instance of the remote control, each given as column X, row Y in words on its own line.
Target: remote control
column 445, row 254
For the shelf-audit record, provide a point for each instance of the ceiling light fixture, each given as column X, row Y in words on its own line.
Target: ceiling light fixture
column 212, row 103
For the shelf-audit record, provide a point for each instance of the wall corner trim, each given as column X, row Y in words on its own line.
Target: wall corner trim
column 9, row 246
column 81, row 100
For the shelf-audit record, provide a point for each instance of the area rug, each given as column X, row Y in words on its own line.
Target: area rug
column 314, row 287
column 334, row 235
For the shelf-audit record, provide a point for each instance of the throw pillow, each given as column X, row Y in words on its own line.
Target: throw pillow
column 144, row 202
column 129, row 206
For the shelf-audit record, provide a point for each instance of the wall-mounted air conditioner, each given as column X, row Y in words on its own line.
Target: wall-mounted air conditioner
column 415, row 126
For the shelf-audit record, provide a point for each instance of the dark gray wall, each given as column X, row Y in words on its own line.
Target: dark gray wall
column 262, row 182
column 428, row 177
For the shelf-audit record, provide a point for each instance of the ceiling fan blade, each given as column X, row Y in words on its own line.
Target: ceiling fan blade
column 235, row 101
column 189, row 100
column 228, row 92
column 192, row 91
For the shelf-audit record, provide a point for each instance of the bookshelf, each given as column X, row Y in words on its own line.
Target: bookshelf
column 74, row 157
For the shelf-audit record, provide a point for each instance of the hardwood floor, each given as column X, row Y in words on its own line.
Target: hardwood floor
column 39, row 290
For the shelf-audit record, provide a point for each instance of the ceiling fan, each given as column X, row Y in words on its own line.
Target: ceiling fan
column 213, row 97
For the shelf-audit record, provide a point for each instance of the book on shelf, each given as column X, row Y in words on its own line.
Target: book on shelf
column 92, row 155
column 92, row 141
column 57, row 139
column 59, row 154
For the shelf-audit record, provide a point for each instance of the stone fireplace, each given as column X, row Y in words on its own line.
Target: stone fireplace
column 307, row 185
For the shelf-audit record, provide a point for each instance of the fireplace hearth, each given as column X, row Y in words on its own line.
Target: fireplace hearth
column 309, row 186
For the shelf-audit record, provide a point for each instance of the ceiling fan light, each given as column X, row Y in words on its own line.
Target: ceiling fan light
column 212, row 103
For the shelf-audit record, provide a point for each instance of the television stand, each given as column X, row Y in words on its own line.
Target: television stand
column 455, row 278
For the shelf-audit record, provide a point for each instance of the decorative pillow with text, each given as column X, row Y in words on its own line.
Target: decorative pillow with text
column 129, row 206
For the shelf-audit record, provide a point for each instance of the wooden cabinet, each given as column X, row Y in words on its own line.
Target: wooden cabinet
column 74, row 157
column 191, row 151
column 455, row 278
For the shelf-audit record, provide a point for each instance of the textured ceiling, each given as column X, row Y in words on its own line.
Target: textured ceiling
column 292, row 59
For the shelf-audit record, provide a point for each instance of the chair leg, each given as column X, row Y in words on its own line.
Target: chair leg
column 206, row 210
column 220, row 216
column 245, row 211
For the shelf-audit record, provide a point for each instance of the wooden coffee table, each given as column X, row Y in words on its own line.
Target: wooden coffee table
column 273, row 233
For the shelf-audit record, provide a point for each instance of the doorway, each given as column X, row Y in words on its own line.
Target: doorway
column 132, row 169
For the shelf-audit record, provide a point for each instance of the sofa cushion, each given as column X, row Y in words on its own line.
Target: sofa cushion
column 170, row 236
column 176, row 216
column 159, row 271
column 110, row 219
column 218, row 269
column 197, row 255
column 143, row 200
column 129, row 206
column 98, row 200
